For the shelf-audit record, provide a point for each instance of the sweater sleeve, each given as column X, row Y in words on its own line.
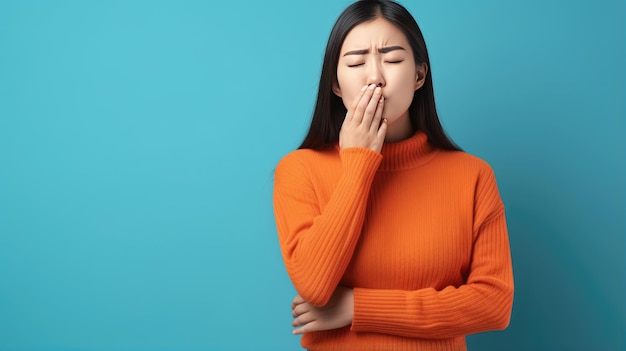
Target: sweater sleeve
column 317, row 243
column 483, row 303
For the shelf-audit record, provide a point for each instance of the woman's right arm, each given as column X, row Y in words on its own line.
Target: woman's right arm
column 317, row 244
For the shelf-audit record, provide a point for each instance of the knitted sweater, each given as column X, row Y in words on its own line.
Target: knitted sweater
column 419, row 233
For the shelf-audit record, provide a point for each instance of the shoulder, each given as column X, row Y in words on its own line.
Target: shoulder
column 464, row 160
column 304, row 160
column 300, row 157
column 476, row 175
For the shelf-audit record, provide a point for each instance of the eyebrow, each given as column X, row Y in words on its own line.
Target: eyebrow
column 367, row 51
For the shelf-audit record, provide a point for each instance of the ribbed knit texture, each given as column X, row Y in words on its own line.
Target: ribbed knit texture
column 419, row 233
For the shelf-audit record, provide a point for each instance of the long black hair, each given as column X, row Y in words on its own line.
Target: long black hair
column 329, row 109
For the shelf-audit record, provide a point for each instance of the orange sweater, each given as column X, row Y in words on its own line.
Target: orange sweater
column 419, row 234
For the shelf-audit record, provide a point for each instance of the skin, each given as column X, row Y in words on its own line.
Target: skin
column 378, row 53
column 377, row 77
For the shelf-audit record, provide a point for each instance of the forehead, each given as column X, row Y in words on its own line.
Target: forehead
column 374, row 34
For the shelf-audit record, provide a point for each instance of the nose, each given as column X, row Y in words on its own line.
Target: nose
column 375, row 75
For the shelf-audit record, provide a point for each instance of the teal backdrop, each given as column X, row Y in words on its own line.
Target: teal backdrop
column 138, row 141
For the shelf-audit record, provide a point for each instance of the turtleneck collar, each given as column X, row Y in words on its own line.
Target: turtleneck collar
column 408, row 153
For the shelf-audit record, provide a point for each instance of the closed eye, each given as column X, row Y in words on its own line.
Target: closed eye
column 356, row 65
column 398, row 61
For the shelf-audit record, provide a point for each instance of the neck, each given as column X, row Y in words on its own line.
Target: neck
column 399, row 130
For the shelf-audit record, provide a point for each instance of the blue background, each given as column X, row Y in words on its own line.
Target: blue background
column 138, row 141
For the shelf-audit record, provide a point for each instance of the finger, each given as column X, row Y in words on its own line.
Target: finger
column 378, row 115
column 372, row 105
column 303, row 319
column 355, row 102
column 300, row 309
column 307, row 328
column 363, row 103
column 296, row 301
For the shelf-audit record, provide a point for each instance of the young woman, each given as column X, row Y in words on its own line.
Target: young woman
column 393, row 237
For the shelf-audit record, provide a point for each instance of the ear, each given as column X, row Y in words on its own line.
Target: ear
column 420, row 75
column 336, row 89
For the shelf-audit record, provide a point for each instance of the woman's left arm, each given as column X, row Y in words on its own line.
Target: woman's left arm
column 483, row 303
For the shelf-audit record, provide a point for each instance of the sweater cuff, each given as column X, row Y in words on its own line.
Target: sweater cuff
column 381, row 311
column 360, row 159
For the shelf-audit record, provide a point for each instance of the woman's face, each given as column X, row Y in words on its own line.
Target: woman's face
column 377, row 52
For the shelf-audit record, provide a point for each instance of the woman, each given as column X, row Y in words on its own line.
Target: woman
column 393, row 237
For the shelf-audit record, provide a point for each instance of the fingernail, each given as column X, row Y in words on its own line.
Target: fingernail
column 372, row 86
column 364, row 87
column 378, row 89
